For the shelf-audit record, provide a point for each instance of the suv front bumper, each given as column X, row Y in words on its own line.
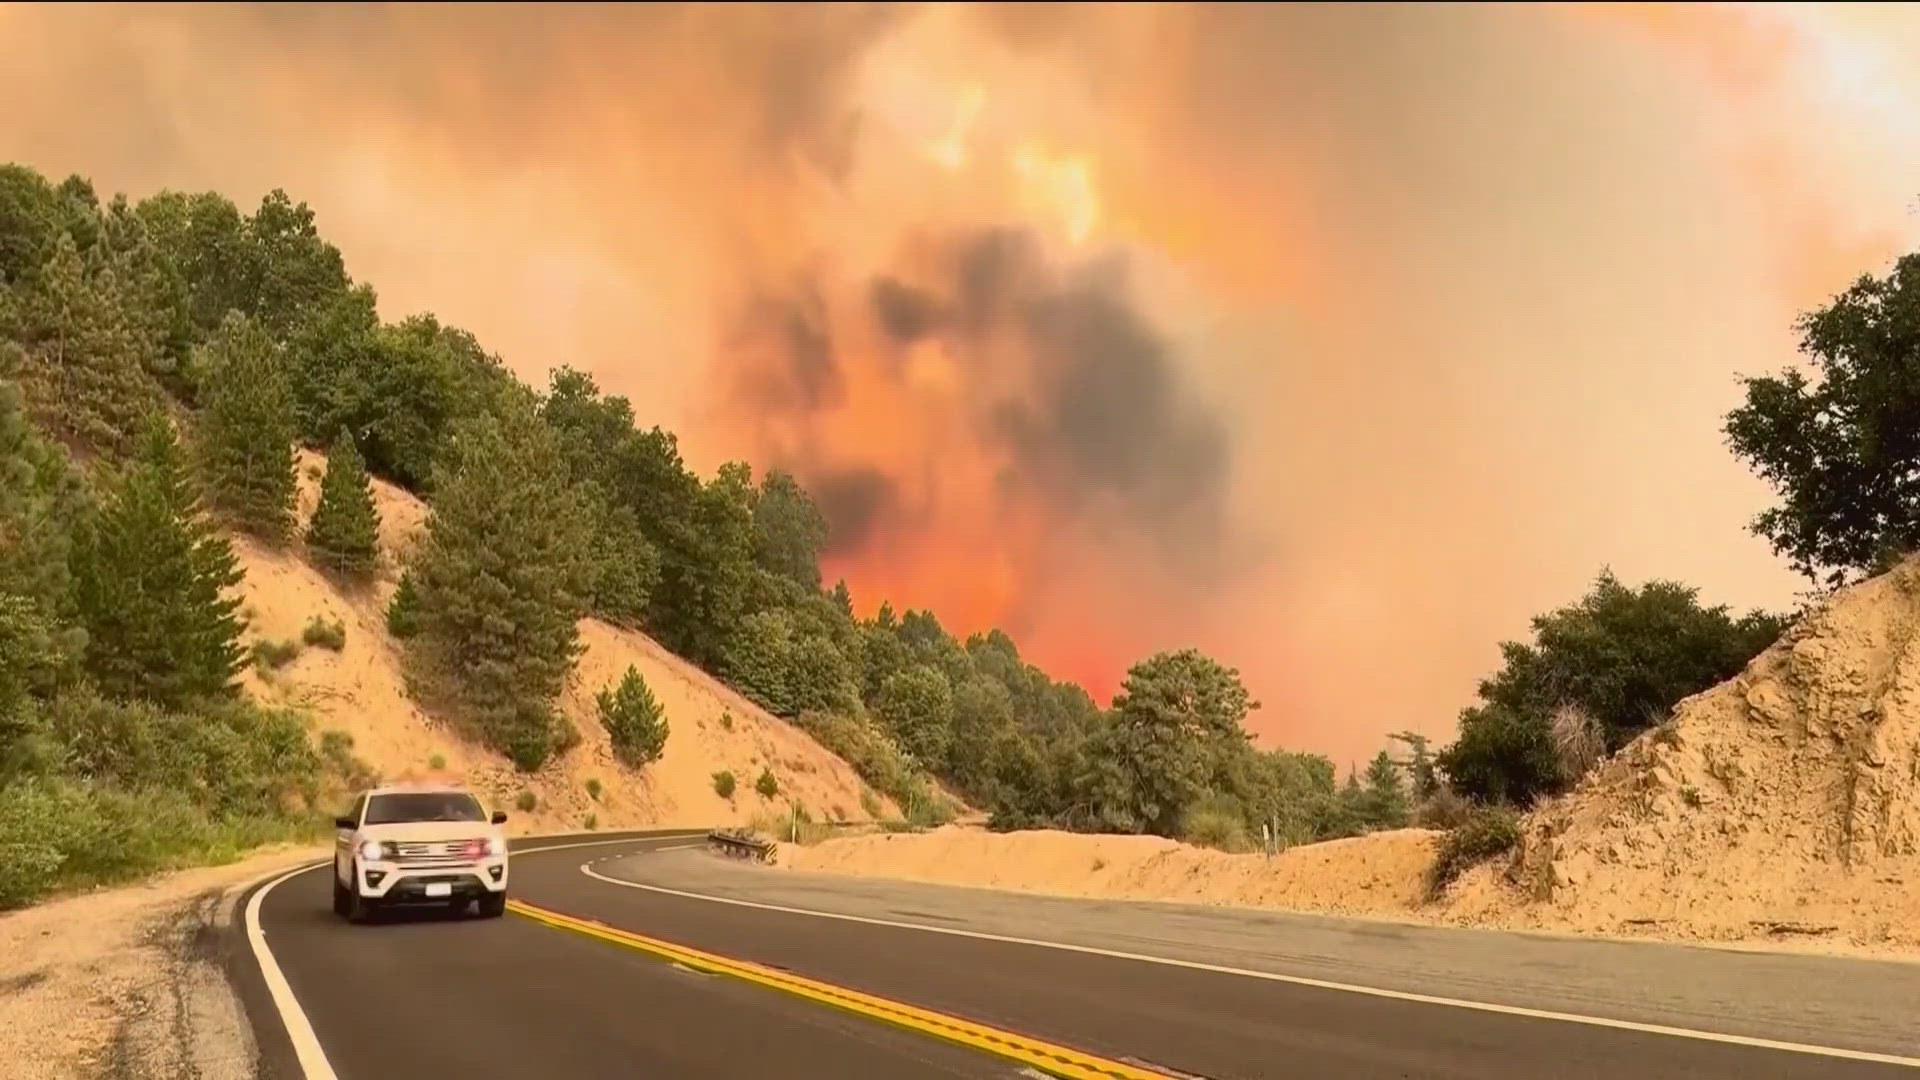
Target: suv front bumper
column 393, row 881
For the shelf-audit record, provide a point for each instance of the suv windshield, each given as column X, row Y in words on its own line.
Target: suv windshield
column 423, row 806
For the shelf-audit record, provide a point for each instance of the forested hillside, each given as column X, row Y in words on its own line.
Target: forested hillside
column 162, row 361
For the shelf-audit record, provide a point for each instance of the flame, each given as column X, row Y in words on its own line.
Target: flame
column 1060, row 189
column 951, row 151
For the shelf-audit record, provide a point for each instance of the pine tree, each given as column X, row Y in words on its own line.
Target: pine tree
column 151, row 583
column 345, row 531
column 501, row 578
column 40, row 498
column 636, row 725
column 85, row 361
column 247, row 429
column 1385, row 799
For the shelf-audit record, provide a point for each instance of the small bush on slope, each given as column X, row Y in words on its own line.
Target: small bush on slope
column 1487, row 831
column 635, row 723
column 326, row 635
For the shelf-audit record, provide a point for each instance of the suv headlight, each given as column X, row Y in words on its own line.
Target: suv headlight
column 372, row 851
column 496, row 847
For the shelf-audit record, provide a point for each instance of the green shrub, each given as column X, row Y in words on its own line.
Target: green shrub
column 925, row 807
column 437, row 762
column 1216, row 822
column 1445, row 809
column 723, row 783
column 1487, row 831
column 403, row 611
column 593, row 788
column 326, row 635
column 869, row 805
column 726, row 721
column 149, row 788
column 275, row 654
column 526, row 802
column 767, row 785
column 635, row 723
column 874, row 757
column 592, row 822
column 336, row 753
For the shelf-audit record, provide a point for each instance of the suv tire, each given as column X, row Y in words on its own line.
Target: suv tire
column 492, row 905
column 359, row 908
column 340, row 899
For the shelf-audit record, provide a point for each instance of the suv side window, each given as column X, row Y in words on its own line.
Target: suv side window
column 359, row 809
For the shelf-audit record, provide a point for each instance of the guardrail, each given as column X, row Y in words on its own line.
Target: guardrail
column 739, row 844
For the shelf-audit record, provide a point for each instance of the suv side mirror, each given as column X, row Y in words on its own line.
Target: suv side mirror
column 346, row 823
column 499, row 817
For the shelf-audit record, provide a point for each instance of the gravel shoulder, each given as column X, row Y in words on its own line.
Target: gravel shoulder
column 126, row 982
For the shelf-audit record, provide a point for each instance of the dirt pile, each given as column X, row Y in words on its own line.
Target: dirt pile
column 1380, row 874
column 1781, row 803
column 361, row 690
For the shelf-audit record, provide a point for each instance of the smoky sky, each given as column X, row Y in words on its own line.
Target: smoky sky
column 1060, row 376
column 1336, row 340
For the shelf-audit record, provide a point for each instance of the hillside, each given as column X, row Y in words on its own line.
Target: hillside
column 1780, row 805
column 361, row 691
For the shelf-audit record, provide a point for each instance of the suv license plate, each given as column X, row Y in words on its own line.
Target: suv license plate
column 439, row 888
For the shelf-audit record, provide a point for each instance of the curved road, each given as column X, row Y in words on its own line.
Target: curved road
column 566, row 989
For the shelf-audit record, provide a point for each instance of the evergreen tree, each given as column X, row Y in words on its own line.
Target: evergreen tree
column 344, row 534
column 501, row 578
column 40, row 498
column 759, row 661
column 1385, row 801
column 247, row 429
column 151, row 581
column 636, row 725
column 1419, row 764
column 85, row 361
column 917, row 707
column 625, row 566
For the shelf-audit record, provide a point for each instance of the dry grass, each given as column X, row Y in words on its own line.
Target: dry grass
column 1578, row 744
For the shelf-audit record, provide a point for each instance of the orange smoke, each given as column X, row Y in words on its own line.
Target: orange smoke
column 1778, row 78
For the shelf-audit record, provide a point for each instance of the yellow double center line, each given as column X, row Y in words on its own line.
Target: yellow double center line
column 1056, row 1060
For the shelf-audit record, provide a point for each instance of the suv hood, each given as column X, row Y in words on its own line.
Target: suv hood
column 430, row 830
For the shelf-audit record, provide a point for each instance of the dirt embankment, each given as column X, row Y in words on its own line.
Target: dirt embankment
column 1782, row 804
column 1781, row 807
column 1370, row 875
column 361, row 690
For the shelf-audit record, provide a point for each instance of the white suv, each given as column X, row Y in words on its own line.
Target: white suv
column 419, row 844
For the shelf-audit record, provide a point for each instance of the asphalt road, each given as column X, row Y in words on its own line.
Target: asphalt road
column 420, row 996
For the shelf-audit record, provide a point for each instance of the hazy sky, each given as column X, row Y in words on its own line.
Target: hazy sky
column 1336, row 341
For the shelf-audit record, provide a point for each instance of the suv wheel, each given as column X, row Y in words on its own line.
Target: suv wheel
column 359, row 908
column 493, row 905
column 340, row 898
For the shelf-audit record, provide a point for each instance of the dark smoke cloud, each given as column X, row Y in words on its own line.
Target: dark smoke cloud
column 1061, row 380
column 853, row 502
column 789, row 348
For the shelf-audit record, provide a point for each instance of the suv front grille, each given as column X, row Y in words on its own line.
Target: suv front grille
column 432, row 851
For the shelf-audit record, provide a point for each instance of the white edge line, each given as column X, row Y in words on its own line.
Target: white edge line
column 306, row 1045
column 1299, row 980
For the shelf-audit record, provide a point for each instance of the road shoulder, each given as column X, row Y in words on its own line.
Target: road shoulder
column 130, row 981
